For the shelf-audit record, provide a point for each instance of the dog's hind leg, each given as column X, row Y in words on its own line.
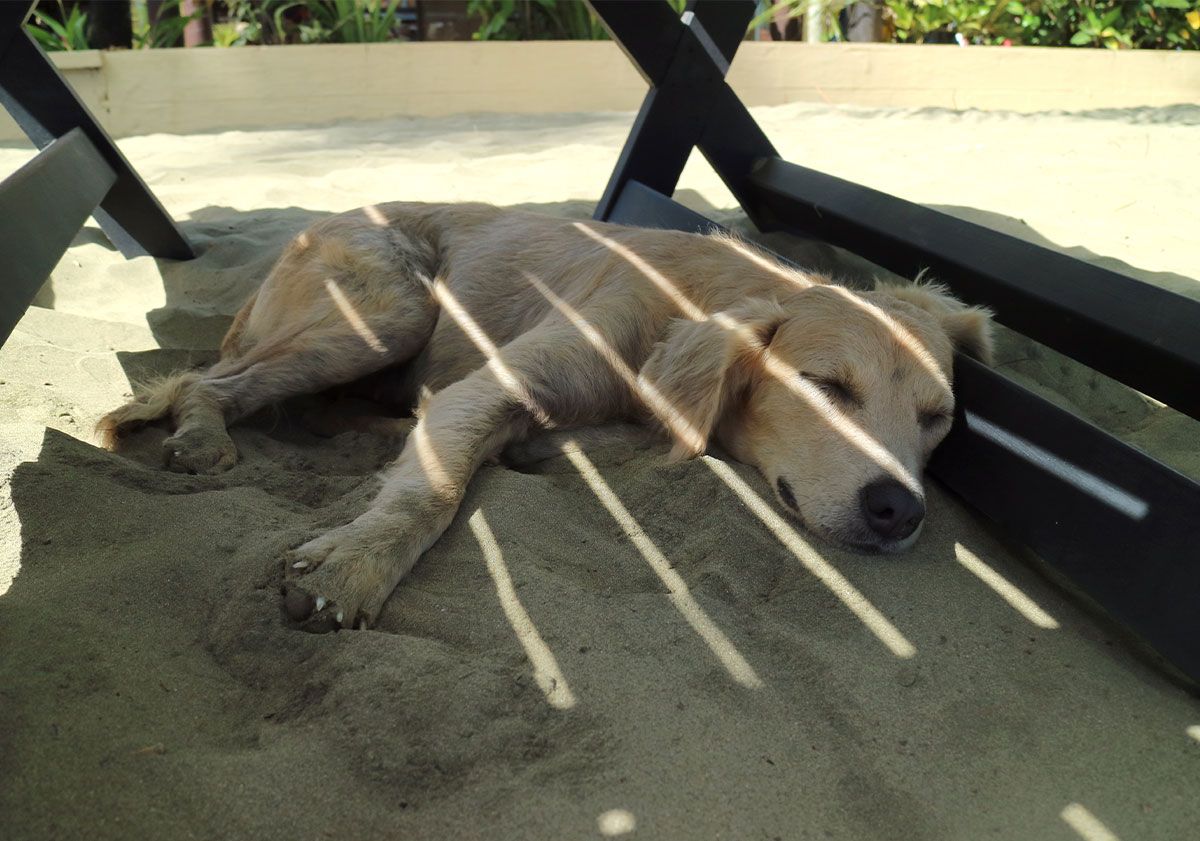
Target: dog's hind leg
column 344, row 301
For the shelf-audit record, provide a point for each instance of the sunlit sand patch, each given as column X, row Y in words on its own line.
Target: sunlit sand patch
column 353, row 318
column 546, row 673
column 868, row 614
column 616, row 822
column 1087, row 825
column 10, row 550
column 718, row 643
column 1003, row 588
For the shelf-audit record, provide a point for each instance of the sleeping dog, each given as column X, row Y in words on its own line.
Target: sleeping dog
column 508, row 323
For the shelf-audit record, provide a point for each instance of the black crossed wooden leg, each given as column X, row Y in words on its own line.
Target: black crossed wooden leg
column 1120, row 525
column 684, row 59
column 46, row 108
column 42, row 206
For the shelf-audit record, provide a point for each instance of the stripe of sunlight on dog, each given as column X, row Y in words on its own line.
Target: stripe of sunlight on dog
column 788, row 536
column 693, row 614
column 786, row 375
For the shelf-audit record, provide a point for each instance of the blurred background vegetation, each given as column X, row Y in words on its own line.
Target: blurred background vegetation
column 141, row 24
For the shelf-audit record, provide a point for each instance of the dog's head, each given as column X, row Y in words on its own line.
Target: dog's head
column 838, row 397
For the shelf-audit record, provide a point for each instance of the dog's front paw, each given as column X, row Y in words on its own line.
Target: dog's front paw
column 343, row 578
column 199, row 450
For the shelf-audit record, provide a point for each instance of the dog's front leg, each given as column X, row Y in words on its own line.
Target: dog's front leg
column 345, row 575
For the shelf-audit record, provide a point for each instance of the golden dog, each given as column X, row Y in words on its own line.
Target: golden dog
column 510, row 323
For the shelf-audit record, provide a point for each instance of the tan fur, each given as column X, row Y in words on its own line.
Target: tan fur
column 503, row 323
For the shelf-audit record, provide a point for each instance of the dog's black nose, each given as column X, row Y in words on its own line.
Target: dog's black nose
column 891, row 510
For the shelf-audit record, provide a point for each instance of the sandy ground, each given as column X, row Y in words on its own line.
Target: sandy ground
column 541, row 674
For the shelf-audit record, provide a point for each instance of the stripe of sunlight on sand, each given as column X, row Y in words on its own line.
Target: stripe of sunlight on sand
column 663, row 409
column 720, row 645
column 1087, row 825
column 353, row 318
column 545, row 668
column 10, row 550
column 1020, row 602
column 868, row 614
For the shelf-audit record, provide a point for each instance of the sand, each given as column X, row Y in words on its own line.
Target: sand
column 543, row 674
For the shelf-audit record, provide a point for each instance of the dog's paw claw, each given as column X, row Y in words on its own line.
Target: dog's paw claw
column 314, row 614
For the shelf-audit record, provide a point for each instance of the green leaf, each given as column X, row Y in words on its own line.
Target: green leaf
column 45, row 40
column 1110, row 18
column 1081, row 38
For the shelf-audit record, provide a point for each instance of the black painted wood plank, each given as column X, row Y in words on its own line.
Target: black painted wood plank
column 1145, row 337
column 686, row 85
column 45, row 107
column 42, row 207
column 648, row 32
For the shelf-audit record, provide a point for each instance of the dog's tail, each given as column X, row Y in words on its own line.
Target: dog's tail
column 152, row 400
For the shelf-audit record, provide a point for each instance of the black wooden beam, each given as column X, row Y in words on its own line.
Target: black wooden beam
column 1145, row 337
column 46, row 108
column 685, row 60
column 1121, row 526
column 42, row 206
column 648, row 32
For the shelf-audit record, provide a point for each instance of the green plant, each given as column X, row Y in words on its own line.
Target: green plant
column 828, row 9
column 338, row 21
column 532, row 20
column 68, row 34
column 1116, row 24
column 164, row 29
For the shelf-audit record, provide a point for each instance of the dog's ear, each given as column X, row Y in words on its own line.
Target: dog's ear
column 969, row 328
column 692, row 376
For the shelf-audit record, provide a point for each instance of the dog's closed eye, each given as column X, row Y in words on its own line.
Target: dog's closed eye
column 934, row 419
column 838, row 390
